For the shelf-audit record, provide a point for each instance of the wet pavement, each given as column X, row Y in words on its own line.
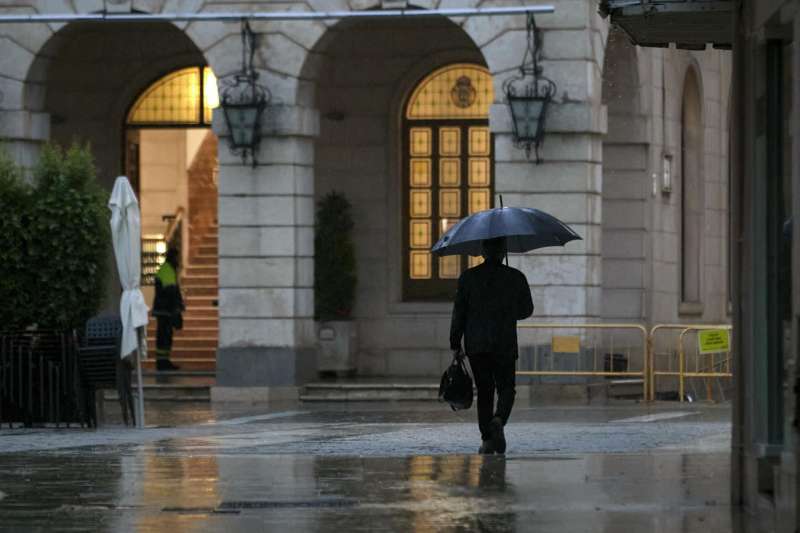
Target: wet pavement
column 375, row 467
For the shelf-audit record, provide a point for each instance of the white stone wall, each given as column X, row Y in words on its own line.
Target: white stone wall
column 311, row 68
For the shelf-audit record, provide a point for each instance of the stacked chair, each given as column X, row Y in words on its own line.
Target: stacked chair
column 101, row 368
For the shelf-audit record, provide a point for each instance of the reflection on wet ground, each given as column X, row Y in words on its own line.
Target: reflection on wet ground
column 251, row 471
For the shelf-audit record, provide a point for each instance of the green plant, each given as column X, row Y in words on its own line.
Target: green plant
column 334, row 259
column 56, row 269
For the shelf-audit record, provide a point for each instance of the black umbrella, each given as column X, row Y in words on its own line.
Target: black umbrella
column 524, row 228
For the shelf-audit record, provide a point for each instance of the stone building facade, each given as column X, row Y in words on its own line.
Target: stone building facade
column 634, row 160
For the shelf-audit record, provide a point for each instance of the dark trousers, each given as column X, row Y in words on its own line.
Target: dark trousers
column 492, row 373
column 163, row 337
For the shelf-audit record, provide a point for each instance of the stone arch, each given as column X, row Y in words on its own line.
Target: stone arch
column 625, row 181
column 98, row 69
column 359, row 88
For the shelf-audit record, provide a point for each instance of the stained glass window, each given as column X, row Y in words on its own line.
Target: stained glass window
column 457, row 91
column 448, row 171
column 187, row 96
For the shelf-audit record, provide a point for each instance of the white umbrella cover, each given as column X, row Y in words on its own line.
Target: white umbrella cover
column 126, row 233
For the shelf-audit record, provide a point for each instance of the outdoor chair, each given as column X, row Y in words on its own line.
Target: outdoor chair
column 102, row 368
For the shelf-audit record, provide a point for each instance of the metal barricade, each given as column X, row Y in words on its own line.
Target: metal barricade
column 668, row 359
column 591, row 350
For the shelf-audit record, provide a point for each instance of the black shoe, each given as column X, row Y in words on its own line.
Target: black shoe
column 498, row 437
column 166, row 364
column 486, row 448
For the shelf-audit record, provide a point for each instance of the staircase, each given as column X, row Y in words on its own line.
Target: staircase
column 194, row 348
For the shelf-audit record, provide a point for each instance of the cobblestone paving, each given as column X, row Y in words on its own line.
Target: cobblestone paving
column 387, row 467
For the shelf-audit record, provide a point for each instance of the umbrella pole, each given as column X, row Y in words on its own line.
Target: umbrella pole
column 140, row 396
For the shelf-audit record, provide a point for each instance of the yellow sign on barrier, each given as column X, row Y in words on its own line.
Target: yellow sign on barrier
column 713, row 341
column 566, row 344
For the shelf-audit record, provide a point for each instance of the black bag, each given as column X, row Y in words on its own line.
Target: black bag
column 177, row 320
column 456, row 385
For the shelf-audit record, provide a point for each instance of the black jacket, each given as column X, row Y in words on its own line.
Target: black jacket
column 490, row 300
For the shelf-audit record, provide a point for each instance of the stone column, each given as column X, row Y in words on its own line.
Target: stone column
column 565, row 282
column 266, row 249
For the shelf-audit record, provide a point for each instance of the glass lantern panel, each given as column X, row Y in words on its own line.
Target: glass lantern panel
column 241, row 121
column 526, row 113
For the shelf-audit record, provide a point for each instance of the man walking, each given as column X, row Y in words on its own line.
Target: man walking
column 491, row 298
column 167, row 308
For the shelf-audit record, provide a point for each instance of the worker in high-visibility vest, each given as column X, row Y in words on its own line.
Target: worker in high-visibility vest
column 167, row 308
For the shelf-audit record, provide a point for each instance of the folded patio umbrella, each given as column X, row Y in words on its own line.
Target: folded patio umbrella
column 126, row 233
column 524, row 228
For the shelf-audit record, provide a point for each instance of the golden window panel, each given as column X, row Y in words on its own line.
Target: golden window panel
column 475, row 261
column 449, row 172
column 450, row 267
column 449, row 141
column 178, row 98
column 420, row 141
column 450, row 202
column 420, row 172
column 420, row 234
column 420, row 205
column 445, row 224
column 479, row 141
column 453, row 92
column 479, row 172
column 479, row 200
column 420, row 265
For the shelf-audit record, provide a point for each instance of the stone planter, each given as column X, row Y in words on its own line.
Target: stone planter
column 337, row 345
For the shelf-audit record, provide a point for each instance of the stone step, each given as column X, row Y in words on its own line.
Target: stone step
column 188, row 332
column 626, row 388
column 204, row 260
column 201, row 290
column 204, row 301
column 207, row 343
column 205, row 354
column 195, row 280
column 210, row 271
column 360, row 392
column 201, row 313
column 207, row 249
column 167, row 393
column 186, row 364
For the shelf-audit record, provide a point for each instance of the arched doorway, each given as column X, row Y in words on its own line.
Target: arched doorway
column 447, row 173
column 366, row 80
column 85, row 80
column 171, row 159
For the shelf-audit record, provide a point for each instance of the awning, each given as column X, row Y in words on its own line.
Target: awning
column 690, row 24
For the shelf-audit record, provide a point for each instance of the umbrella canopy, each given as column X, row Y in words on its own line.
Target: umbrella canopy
column 524, row 228
column 126, row 235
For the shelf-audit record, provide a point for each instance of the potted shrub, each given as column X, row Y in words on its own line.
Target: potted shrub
column 54, row 241
column 335, row 285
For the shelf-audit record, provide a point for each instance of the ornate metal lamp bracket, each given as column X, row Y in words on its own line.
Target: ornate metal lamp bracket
column 243, row 101
column 530, row 92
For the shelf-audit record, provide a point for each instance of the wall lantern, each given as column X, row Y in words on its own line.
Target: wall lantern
column 528, row 95
column 243, row 101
